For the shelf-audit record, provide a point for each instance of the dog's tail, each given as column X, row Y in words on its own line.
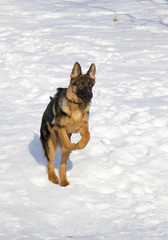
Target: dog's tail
column 44, row 136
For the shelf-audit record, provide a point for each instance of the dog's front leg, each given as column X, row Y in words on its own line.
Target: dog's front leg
column 65, row 141
column 66, row 148
column 85, row 136
column 64, row 157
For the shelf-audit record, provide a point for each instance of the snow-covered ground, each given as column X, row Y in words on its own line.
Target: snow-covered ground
column 119, row 183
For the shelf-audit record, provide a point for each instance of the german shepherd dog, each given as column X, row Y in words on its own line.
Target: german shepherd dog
column 67, row 113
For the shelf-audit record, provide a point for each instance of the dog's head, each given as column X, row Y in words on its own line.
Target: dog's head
column 82, row 84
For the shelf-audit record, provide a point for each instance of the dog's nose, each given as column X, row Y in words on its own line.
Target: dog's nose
column 89, row 95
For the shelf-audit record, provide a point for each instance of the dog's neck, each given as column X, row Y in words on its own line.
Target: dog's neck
column 71, row 101
column 71, row 96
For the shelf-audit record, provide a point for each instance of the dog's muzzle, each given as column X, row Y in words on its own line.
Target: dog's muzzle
column 86, row 96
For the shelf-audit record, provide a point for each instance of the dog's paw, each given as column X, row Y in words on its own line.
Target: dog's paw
column 64, row 182
column 73, row 146
column 70, row 147
column 79, row 146
column 53, row 178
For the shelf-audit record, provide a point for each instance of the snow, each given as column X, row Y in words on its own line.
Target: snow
column 119, row 182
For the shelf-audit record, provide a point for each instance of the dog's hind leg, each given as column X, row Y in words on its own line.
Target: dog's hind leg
column 65, row 152
column 51, row 150
column 63, row 179
column 51, row 156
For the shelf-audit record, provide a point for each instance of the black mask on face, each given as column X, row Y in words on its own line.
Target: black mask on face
column 84, row 88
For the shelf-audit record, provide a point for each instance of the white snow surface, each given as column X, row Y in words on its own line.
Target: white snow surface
column 119, row 183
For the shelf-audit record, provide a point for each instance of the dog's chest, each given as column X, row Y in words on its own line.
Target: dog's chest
column 76, row 115
column 76, row 120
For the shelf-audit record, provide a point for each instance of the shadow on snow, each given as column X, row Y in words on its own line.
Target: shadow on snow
column 36, row 151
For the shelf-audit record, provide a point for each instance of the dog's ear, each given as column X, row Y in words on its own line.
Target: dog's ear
column 76, row 71
column 92, row 71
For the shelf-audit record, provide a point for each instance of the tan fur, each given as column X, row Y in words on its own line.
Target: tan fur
column 77, row 121
column 52, row 145
column 74, row 120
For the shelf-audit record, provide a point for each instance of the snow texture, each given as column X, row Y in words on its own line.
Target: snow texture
column 119, row 183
